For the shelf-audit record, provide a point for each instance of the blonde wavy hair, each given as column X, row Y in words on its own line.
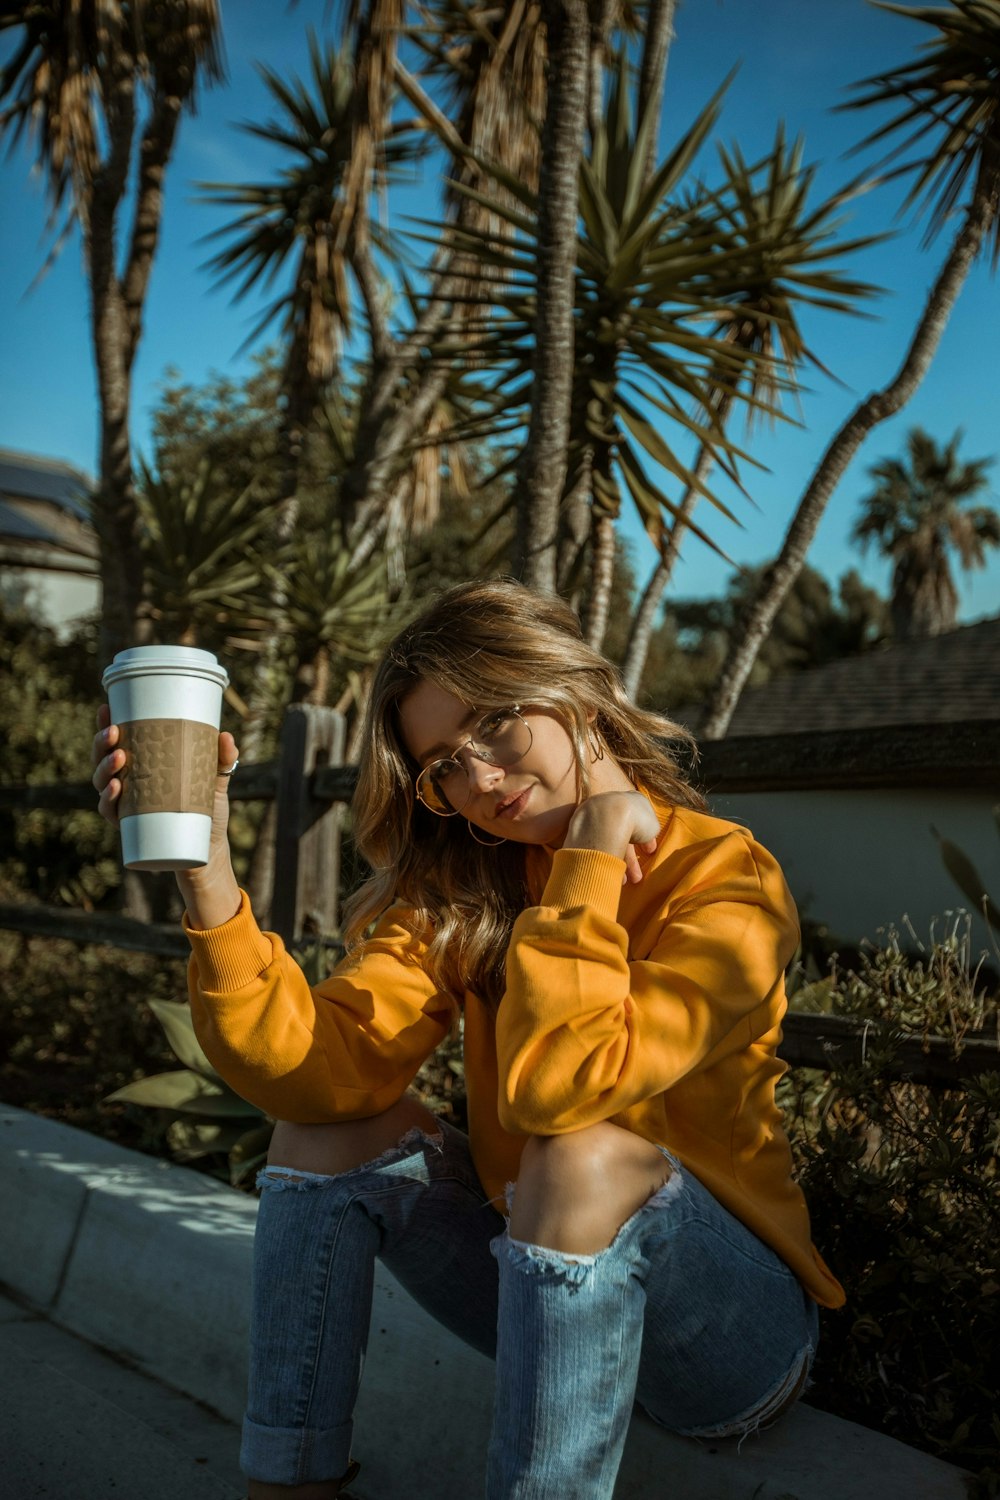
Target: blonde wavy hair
column 491, row 644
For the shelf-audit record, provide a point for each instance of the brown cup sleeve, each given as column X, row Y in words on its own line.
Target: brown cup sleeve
column 170, row 766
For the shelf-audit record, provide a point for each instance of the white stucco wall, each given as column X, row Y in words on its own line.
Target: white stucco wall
column 61, row 599
column 861, row 860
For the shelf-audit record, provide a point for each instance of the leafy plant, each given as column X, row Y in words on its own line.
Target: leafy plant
column 207, row 1117
column 968, row 879
column 49, row 691
column 904, row 1196
column 201, row 547
column 71, row 1031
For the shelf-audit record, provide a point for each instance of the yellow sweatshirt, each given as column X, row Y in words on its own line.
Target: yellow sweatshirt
column 657, row 1006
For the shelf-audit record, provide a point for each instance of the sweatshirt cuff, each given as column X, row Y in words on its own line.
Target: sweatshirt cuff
column 232, row 956
column 585, row 877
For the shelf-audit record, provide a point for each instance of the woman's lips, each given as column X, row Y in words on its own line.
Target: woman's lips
column 512, row 806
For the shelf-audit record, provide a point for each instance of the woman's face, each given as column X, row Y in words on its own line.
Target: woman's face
column 530, row 802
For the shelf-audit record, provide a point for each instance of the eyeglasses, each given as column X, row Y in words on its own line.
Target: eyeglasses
column 501, row 738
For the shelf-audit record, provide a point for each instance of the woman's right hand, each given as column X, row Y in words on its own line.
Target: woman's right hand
column 208, row 889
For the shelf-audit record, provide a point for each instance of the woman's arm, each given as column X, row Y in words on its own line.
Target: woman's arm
column 586, row 1029
column 343, row 1049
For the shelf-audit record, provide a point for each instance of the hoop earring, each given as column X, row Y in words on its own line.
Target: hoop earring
column 598, row 752
column 486, row 843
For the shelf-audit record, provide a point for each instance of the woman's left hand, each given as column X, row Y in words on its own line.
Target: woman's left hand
column 620, row 823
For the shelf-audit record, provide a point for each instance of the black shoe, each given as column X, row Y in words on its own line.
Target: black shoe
column 352, row 1473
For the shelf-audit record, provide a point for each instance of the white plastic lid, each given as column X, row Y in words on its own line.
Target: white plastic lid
column 165, row 661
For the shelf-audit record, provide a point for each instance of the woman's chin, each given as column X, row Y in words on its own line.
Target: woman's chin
column 546, row 830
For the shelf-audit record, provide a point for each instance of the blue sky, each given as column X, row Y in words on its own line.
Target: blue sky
column 796, row 58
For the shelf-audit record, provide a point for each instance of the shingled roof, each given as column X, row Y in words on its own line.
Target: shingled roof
column 44, row 514
column 27, row 476
column 945, row 679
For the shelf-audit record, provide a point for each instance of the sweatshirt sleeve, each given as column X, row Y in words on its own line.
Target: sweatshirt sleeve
column 584, row 1032
column 340, row 1050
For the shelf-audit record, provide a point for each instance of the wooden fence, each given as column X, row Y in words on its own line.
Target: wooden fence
column 310, row 784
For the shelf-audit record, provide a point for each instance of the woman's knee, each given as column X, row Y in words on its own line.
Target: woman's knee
column 345, row 1144
column 575, row 1191
column 586, row 1158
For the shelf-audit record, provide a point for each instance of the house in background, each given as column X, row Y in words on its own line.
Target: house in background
column 850, row 772
column 47, row 541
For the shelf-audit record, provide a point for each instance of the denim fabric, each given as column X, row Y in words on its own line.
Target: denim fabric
column 686, row 1311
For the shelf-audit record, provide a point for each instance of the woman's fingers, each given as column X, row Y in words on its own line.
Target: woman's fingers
column 633, row 869
column 109, row 761
column 228, row 752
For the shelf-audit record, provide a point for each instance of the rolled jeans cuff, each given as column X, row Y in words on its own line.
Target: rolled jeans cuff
column 271, row 1454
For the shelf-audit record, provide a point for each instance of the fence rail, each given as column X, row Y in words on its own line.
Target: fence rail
column 809, row 1041
column 309, row 783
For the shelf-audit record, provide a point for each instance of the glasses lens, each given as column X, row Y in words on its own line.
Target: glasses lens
column 443, row 787
column 501, row 739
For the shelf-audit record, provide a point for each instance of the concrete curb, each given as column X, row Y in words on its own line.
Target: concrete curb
column 152, row 1261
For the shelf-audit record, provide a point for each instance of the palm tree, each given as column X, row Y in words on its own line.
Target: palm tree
column 487, row 63
column 788, row 245
column 343, row 142
column 542, row 469
column 312, row 213
column 649, row 272
column 497, row 60
column 77, row 79
column 917, row 514
column 949, row 101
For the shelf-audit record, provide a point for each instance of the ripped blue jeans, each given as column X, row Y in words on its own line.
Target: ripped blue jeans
column 686, row 1312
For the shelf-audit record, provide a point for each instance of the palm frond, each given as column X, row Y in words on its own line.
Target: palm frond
column 948, row 111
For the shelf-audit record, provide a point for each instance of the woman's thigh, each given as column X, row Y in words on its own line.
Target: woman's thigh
column 729, row 1333
column 436, row 1225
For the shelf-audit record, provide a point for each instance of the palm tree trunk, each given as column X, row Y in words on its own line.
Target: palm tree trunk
column 878, row 407
column 372, row 475
column 117, row 305
column 641, row 632
column 574, row 528
column 116, row 514
column 155, row 150
column 653, row 71
column 601, row 13
column 542, row 467
column 602, row 572
column 302, row 396
column 257, row 726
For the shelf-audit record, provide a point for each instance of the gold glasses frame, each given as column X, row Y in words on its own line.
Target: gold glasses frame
column 480, row 751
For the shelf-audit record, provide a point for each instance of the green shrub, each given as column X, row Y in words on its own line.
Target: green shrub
column 49, row 692
column 904, row 1194
column 74, row 1026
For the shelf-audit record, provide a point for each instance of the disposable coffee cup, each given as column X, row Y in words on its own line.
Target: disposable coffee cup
column 167, row 703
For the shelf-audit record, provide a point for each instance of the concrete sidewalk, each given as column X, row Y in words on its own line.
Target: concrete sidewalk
column 78, row 1423
column 149, row 1264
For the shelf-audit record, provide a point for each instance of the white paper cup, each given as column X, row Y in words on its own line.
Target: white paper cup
column 167, row 702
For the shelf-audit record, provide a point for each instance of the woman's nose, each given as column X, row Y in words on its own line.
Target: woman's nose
column 483, row 774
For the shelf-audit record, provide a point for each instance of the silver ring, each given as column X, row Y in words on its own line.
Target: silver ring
column 231, row 769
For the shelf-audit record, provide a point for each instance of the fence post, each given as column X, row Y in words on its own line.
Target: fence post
column 307, row 836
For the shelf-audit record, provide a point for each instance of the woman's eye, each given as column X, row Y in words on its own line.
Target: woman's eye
column 495, row 724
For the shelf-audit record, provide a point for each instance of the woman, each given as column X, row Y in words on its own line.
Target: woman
column 621, row 1221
